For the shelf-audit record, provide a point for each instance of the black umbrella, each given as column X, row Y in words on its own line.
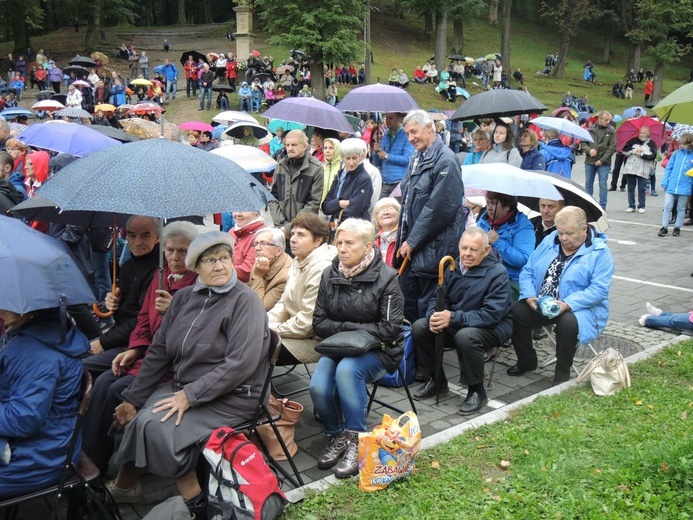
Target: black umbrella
column 114, row 133
column 60, row 98
column 45, row 94
column 80, row 72
column 440, row 337
column 498, row 103
column 82, row 61
column 262, row 76
column 222, row 88
column 296, row 51
column 456, row 57
column 195, row 55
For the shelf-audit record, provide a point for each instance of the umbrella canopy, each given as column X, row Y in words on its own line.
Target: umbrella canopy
column 11, row 113
column 47, row 105
column 229, row 117
column 631, row 128
column 251, row 159
column 457, row 57
column 222, row 88
column 218, row 132
column 262, row 76
column 212, row 56
column 439, row 116
column 141, row 128
column 255, row 53
column 573, row 195
column 61, row 98
column 276, row 124
column 81, row 83
column 632, row 112
column 82, row 61
column 114, row 133
column 105, row 107
column 73, row 112
column 45, row 94
column 145, row 108
column 236, row 131
column 310, row 112
column 77, row 140
column 562, row 110
column 680, row 129
column 195, row 56
column 377, row 98
column 469, row 60
column 563, row 126
column 284, row 68
column 100, row 56
column 141, row 81
column 45, row 210
column 37, row 271
column 79, row 71
column 677, row 107
column 504, row 178
column 196, row 125
column 498, row 102
column 131, row 179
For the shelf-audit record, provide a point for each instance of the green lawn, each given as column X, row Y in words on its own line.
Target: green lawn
column 571, row 456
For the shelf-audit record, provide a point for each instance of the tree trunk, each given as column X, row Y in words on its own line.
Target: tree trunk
column 608, row 39
column 17, row 10
column 441, row 43
column 505, row 34
column 428, row 25
column 317, row 74
column 634, row 57
column 397, row 9
column 565, row 29
column 493, row 12
column 181, row 12
column 458, row 35
column 93, row 26
column 208, row 13
column 367, row 43
column 658, row 82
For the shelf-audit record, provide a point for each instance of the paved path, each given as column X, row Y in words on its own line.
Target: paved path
column 648, row 268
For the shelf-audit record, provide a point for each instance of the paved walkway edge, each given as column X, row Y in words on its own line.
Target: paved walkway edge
column 501, row 414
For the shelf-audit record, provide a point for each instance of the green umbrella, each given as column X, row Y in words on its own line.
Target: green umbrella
column 677, row 107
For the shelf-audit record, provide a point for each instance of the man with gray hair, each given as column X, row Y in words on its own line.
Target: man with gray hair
column 4, row 133
column 433, row 216
column 477, row 319
column 598, row 155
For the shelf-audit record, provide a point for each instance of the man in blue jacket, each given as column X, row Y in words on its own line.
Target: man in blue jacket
column 392, row 154
column 573, row 266
column 171, row 73
column 477, row 319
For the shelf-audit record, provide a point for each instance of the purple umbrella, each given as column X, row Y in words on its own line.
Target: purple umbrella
column 77, row 140
column 378, row 98
column 310, row 112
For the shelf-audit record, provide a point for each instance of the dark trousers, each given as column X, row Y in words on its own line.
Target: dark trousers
column 191, row 84
column 100, row 363
column 417, row 292
column 525, row 319
column 618, row 162
column 85, row 321
column 106, row 394
column 387, row 189
column 470, row 344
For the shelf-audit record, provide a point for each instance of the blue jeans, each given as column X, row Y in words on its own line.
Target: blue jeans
column 223, row 104
column 591, row 171
column 669, row 199
column 641, row 182
column 171, row 88
column 338, row 391
column 670, row 320
column 205, row 92
column 244, row 104
column 102, row 275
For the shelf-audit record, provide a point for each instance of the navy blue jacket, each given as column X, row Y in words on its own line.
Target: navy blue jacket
column 532, row 160
column 357, row 189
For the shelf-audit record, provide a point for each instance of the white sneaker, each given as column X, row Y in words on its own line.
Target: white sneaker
column 641, row 321
column 630, row 210
column 131, row 495
column 652, row 310
column 641, row 210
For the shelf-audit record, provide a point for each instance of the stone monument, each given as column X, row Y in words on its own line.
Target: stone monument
column 244, row 30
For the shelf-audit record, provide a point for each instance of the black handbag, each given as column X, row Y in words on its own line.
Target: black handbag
column 350, row 343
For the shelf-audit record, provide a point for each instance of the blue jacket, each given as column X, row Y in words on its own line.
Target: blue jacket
column 433, row 216
column 479, row 298
column 675, row 180
column 244, row 92
column 17, row 180
column 473, row 158
column 584, row 284
column 40, row 390
column 170, row 71
column 532, row 160
column 558, row 158
column 399, row 150
column 117, row 95
column 515, row 241
column 357, row 188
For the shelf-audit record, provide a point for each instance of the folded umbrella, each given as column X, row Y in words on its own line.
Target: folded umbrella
column 310, row 112
column 440, row 378
column 377, row 98
column 562, row 126
column 77, row 140
column 497, row 103
column 631, row 128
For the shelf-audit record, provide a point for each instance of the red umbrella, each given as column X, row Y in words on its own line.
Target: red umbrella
column 145, row 108
column 631, row 128
column 255, row 53
column 196, row 125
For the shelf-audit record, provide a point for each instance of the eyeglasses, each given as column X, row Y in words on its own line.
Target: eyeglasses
column 212, row 261
column 262, row 243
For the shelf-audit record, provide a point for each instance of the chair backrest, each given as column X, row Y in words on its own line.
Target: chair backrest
column 274, row 348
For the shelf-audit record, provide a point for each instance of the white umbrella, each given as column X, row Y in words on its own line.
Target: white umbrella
column 507, row 179
column 263, row 135
column 563, row 126
column 230, row 117
column 251, row 159
column 48, row 105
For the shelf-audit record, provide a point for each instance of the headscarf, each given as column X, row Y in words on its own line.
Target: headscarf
column 331, row 168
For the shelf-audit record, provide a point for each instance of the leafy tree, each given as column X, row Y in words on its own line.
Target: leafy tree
column 327, row 31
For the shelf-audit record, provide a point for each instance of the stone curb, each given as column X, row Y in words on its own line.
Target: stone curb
column 299, row 494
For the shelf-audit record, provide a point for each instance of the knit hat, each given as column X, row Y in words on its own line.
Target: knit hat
column 203, row 242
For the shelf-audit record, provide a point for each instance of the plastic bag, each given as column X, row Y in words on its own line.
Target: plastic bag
column 388, row 452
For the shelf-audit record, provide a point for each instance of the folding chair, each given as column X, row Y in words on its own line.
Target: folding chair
column 277, row 393
column 552, row 338
column 372, row 398
column 80, row 474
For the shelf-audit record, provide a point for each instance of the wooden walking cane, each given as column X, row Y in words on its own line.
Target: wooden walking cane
column 97, row 311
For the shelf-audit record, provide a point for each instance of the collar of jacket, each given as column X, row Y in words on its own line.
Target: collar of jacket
column 199, row 286
column 370, row 274
column 277, row 265
column 430, row 154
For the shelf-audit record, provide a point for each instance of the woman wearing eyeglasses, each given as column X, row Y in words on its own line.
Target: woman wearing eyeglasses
column 215, row 338
column 272, row 265
column 247, row 223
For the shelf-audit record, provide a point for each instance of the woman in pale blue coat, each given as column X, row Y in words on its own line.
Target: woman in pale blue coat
column 677, row 184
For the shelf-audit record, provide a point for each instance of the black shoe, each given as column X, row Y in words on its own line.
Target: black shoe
column 623, row 188
column 334, row 450
column 689, row 222
column 429, row 390
column 672, row 220
column 515, row 370
column 612, row 188
column 421, row 376
column 473, row 403
column 349, row 465
column 662, row 231
column 676, row 232
column 539, row 333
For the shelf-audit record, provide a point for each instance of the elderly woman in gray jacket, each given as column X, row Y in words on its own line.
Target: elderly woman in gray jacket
column 358, row 292
column 640, row 154
column 215, row 338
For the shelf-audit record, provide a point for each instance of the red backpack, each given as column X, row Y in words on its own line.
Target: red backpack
column 241, row 484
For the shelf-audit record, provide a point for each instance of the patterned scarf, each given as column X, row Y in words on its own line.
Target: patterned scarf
column 350, row 272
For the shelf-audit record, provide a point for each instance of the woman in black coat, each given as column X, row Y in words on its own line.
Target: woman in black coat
column 358, row 292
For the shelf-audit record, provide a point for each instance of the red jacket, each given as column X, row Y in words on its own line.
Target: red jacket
column 390, row 257
column 149, row 319
column 231, row 69
column 190, row 70
column 243, row 251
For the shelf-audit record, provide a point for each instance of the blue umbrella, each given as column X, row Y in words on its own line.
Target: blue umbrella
column 218, row 131
column 77, row 140
column 275, row 124
column 154, row 178
column 37, row 271
column 11, row 113
column 310, row 112
column 617, row 118
column 462, row 92
column 630, row 112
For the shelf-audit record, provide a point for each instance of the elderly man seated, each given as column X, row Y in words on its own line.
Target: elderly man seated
column 572, row 268
column 478, row 319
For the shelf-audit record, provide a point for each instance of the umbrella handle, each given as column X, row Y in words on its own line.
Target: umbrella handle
column 403, row 266
column 441, row 267
column 97, row 311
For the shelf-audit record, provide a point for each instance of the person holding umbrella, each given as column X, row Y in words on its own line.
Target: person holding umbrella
column 640, row 154
column 476, row 319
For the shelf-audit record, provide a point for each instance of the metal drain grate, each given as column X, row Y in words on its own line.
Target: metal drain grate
column 603, row 342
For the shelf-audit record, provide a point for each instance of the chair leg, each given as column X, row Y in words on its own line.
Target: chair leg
column 372, row 398
column 489, row 385
column 277, row 393
column 298, row 481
